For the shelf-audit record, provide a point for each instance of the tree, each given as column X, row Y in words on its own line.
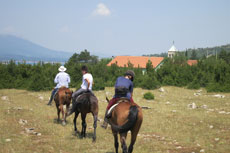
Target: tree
column 193, row 55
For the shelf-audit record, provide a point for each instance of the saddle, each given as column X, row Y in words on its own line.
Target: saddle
column 120, row 100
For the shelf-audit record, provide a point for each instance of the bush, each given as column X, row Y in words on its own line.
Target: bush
column 148, row 96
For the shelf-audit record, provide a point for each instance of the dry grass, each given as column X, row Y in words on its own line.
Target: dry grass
column 169, row 126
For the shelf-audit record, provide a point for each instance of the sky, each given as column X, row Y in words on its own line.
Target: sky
column 118, row 27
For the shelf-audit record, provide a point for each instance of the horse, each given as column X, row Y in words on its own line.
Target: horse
column 63, row 97
column 86, row 103
column 126, row 116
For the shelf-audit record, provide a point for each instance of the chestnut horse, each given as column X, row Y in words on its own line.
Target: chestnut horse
column 86, row 103
column 125, row 117
column 63, row 97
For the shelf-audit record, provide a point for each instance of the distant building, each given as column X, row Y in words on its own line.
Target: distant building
column 136, row 61
column 172, row 51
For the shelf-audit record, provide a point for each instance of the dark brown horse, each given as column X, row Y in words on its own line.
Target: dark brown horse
column 86, row 103
column 63, row 97
column 125, row 117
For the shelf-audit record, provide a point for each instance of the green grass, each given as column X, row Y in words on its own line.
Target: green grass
column 169, row 126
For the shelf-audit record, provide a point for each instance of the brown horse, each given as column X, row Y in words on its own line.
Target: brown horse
column 86, row 103
column 125, row 117
column 63, row 97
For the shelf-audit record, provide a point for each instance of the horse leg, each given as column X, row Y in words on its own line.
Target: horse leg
column 67, row 109
column 123, row 143
column 94, row 126
column 58, row 113
column 75, row 122
column 134, row 133
column 116, row 144
column 83, row 131
column 133, row 140
column 63, row 114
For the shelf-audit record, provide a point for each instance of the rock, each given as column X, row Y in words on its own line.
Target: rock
column 8, row 140
column 219, row 96
column 145, row 107
column 174, row 111
column 41, row 98
column 199, row 91
column 4, row 98
column 23, row 122
column 204, row 106
column 192, row 106
column 211, row 126
column 222, row 112
column 179, row 147
column 217, row 139
column 202, row 150
column 29, row 130
column 197, row 94
column 162, row 89
column 167, row 103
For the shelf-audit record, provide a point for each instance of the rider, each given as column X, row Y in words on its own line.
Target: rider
column 61, row 79
column 123, row 88
column 87, row 84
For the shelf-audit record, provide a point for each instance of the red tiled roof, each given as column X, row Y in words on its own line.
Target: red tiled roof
column 192, row 62
column 137, row 61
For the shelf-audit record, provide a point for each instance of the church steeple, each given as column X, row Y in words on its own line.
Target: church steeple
column 172, row 51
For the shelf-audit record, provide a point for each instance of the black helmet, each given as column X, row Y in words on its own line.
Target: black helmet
column 130, row 73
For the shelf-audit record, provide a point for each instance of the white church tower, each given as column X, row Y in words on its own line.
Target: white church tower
column 172, row 51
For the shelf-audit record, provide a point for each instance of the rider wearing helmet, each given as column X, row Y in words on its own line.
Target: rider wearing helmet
column 123, row 88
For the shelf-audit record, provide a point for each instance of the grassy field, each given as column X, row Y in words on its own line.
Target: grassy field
column 170, row 125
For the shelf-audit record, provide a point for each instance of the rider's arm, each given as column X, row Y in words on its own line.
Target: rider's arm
column 56, row 79
column 88, row 83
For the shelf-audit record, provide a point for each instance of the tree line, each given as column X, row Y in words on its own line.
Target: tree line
column 211, row 73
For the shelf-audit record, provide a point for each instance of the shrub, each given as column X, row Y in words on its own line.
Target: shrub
column 148, row 96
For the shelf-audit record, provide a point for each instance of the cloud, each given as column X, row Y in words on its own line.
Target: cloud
column 64, row 29
column 102, row 10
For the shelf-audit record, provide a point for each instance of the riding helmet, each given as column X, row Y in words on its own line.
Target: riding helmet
column 130, row 73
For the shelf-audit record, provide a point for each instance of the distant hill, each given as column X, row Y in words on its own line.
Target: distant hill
column 12, row 47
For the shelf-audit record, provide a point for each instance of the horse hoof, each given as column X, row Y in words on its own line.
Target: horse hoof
column 63, row 123
column 94, row 140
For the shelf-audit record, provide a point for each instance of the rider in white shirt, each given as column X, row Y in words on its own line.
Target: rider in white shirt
column 87, row 84
column 62, row 79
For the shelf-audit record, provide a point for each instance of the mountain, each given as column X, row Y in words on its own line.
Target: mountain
column 12, row 47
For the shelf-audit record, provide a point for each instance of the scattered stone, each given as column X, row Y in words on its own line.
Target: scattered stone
column 219, row 96
column 29, row 130
column 8, row 140
column 197, row 94
column 222, row 112
column 174, row 111
column 145, row 107
column 41, row 98
column 23, row 122
column 162, row 89
column 167, row 103
column 211, row 126
column 192, row 106
column 4, row 98
column 17, row 108
column 217, row 139
column 204, row 106
column 179, row 147
column 202, row 150
column 199, row 91
column 198, row 144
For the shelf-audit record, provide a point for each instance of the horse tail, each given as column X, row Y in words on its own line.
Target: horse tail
column 132, row 118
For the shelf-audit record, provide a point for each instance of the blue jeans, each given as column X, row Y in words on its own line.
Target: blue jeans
column 52, row 95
